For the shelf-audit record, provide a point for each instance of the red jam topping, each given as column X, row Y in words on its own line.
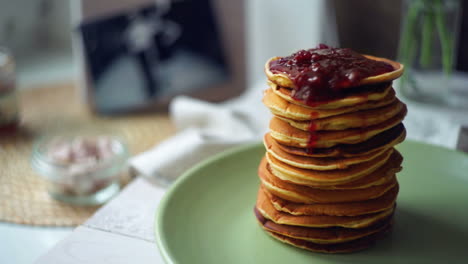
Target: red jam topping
column 324, row 73
column 313, row 137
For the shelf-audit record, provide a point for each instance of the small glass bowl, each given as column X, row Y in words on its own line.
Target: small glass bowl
column 78, row 183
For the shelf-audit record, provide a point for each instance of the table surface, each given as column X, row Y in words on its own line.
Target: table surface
column 37, row 241
column 120, row 232
column 126, row 223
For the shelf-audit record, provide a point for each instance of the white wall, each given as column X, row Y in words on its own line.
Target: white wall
column 25, row 29
column 278, row 28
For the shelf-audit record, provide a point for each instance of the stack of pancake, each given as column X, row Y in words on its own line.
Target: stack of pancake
column 328, row 177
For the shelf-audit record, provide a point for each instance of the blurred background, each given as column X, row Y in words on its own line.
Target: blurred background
column 52, row 41
column 121, row 66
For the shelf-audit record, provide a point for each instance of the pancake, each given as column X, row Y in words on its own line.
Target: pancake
column 354, row 98
column 363, row 118
column 291, row 136
column 331, row 235
column 282, row 79
column 266, row 208
column 309, row 195
column 324, row 163
column 383, row 140
column 316, row 178
column 379, row 204
column 281, row 107
column 346, row 247
column 367, row 175
column 380, row 176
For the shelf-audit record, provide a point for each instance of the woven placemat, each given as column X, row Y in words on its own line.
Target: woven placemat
column 23, row 196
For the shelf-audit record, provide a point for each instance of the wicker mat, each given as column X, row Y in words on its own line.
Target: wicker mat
column 23, row 196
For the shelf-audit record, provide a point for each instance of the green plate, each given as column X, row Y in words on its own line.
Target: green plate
column 207, row 215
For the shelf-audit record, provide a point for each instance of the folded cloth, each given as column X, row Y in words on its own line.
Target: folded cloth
column 203, row 129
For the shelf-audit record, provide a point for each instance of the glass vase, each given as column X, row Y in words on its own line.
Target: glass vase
column 427, row 48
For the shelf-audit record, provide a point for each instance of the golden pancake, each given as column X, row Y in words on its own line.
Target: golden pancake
column 291, row 136
column 324, row 163
column 309, row 195
column 380, row 176
column 383, row 140
column 282, row 79
column 281, row 107
column 399, row 68
column 346, row 247
column 379, row 204
column 331, row 235
column 357, row 119
column 366, row 95
column 266, row 208
column 369, row 175
column 316, row 178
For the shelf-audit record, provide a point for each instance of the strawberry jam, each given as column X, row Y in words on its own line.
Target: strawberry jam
column 324, row 73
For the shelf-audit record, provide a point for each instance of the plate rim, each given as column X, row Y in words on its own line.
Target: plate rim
column 162, row 248
column 169, row 193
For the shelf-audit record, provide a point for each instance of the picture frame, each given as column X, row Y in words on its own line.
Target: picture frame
column 229, row 19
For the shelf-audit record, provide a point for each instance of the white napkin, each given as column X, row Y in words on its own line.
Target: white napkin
column 203, row 129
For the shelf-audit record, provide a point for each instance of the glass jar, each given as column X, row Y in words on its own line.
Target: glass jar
column 83, row 168
column 8, row 100
column 427, row 48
